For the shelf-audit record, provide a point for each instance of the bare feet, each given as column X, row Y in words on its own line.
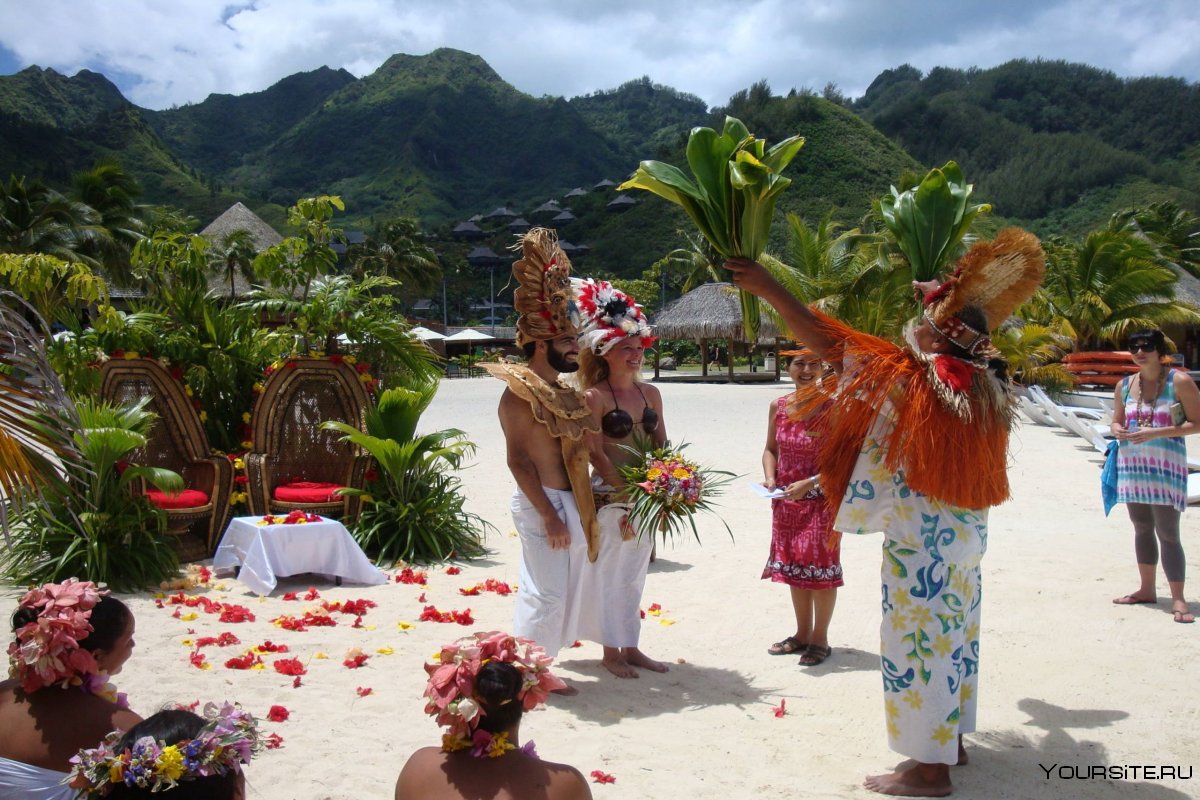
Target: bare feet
column 1134, row 598
column 637, row 658
column 566, row 691
column 618, row 666
column 919, row 780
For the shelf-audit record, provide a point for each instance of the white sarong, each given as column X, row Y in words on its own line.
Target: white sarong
column 548, row 593
column 611, row 597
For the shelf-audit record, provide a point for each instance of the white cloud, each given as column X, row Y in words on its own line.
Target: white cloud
column 162, row 53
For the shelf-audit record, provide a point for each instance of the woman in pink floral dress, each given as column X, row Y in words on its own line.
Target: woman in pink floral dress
column 805, row 550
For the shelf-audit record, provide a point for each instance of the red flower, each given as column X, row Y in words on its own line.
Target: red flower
column 781, row 709
column 363, row 691
column 290, row 666
column 278, row 714
column 371, row 474
column 232, row 613
column 296, row 683
column 241, row 480
column 602, row 777
column 362, row 368
column 421, row 599
column 274, row 741
column 356, row 661
column 576, row 643
column 953, row 372
column 121, row 467
column 197, row 659
column 453, row 570
column 312, row 593
column 291, row 596
column 177, row 373
column 192, row 706
column 409, row 575
column 117, row 354
column 336, row 359
column 270, row 647
column 245, row 661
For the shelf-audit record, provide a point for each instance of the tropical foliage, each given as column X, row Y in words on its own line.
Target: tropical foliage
column 413, row 508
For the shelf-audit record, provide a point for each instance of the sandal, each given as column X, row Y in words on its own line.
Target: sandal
column 814, row 655
column 787, row 647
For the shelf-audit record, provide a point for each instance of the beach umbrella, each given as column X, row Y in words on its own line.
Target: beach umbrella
column 470, row 335
column 425, row 335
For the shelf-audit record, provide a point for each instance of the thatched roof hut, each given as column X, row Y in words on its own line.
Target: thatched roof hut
column 239, row 218
column 712, row 311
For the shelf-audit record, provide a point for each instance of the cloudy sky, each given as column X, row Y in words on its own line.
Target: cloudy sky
column 166, row 52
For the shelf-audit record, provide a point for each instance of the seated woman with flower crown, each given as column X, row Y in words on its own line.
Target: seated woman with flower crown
column 479, row 688
column 69, row 637
column 175, row 751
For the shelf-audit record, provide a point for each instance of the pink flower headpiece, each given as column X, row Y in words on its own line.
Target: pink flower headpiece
column 451, row 687
column 46, row 651
column 611, row 316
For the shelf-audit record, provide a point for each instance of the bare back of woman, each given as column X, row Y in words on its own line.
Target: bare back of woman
column 434, row 775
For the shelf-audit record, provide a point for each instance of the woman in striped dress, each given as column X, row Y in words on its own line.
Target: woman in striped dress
column 1152, row 412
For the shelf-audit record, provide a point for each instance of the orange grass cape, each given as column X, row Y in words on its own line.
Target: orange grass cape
column 951, row 446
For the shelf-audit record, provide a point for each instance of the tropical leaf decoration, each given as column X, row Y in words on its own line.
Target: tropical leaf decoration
column 731, row 194
column 930, row 219
column 38, row 421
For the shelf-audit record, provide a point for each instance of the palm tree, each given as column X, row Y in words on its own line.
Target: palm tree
column 393, row 251
column 117, row 224
column 37, row 219
column 1111, row 284
column 235, row 253
column 1174, row 230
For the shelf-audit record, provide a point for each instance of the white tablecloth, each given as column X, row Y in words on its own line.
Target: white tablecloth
column 267, row 551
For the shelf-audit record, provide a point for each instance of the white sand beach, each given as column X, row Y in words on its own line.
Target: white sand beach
column 1068, row 678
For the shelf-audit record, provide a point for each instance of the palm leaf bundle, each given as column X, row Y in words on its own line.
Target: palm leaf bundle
column 930, row 219
column 731, row 194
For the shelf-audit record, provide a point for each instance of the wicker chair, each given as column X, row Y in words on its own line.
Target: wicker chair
column 293, row 464
column 176, row 442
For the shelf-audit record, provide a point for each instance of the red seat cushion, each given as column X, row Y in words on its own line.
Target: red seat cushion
column 188, row 498
column 307, row 492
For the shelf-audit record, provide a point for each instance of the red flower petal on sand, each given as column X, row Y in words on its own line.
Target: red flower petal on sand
column 274, row 741
column 363, row 691
column 296, row 683
column 602, row 777
column 781, row 709
column 192, row 706
column 291, row 596
column 289, row 666
column 312, row 593
column 278, row 714
column 421, row 599
column 355, row 662
column 453, row 570
column 197, row 659
column 576, row 643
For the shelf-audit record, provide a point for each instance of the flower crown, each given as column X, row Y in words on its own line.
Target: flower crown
column 228, row 739
column 46, row 651
column 451, row 687
column 612, row 316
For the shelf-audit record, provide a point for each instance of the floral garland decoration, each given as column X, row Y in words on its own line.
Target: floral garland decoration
column 451, row 688
column 46, row 651
column 228, row 739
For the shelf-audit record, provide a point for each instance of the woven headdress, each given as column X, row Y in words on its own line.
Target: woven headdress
column 611, row 316
column 996, row 277
column 546, row 294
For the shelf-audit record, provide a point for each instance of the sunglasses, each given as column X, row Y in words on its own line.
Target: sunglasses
column 1144, row 347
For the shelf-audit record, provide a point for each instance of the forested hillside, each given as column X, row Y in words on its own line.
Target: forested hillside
column 1055, row 144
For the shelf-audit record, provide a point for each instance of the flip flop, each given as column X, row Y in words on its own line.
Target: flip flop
column 1184, row 617
column 814, row 655
column 1130, row 600
column 787, row 647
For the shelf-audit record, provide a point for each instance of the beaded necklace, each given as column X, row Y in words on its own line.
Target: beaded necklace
column 1145, row 416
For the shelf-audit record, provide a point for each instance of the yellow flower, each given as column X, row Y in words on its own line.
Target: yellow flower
column 941, row 645
column 247, row 444
column 133, row 354
column 665, row 621
column 499, row 745
column 385, row 651
column 257, row 387
column 653, row 474
column 169, row 763
column 350, row 360
column 890, row 709
column 680, row 472
column 893, row 729
column 187, row 390
column 320, row 654
column 943, row 734
column 246, row 417
column 920, row 615
column 898, row 620
column 239, row 464
column 204, row 416
column 188, row 642
column 405, row 626
column 189, row 616
column 914, row 699
column 901, row 598
column 452, row 743
column 966, row 691
column 116, row 773
column 259, row 665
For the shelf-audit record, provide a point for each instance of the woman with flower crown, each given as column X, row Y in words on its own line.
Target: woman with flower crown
column 69, row 638
column 629, row 414
column 176, row 751
column 479, row 688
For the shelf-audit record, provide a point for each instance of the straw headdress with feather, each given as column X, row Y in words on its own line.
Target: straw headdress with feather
column 546, row 295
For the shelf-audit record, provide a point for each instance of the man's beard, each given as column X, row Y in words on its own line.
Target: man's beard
column 559, row 361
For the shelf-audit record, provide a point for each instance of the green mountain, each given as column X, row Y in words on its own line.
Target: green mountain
column 1049, row 143
column 642, row 117
column 215, row 135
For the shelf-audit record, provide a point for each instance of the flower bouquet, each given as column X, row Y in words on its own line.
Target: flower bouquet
column 296, row 517
column 665, row 490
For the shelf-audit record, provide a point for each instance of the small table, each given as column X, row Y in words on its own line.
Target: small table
column 266, row 551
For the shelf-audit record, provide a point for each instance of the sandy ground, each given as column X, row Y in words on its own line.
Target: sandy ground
column 1068, row 679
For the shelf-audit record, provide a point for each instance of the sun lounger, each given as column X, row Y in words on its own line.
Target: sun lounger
column 1034, row 412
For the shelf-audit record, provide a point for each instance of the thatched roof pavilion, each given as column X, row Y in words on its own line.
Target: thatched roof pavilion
column 711, row 311
column 238, row 218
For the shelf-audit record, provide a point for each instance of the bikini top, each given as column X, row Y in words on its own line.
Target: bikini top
column 617, row 424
